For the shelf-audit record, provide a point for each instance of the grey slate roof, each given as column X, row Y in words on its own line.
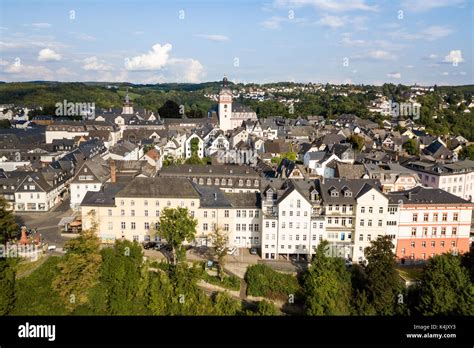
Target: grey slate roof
column 425, row 195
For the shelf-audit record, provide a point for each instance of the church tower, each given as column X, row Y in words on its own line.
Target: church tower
column 127, row 108
column 225, row 106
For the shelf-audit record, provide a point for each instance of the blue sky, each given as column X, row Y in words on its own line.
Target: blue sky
column 144, row 41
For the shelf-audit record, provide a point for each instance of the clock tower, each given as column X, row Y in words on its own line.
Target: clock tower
column 225, row 106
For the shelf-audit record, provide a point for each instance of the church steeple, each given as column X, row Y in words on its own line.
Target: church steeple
column 127, row 105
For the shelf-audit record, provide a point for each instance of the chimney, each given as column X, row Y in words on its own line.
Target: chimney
column 409, row 195
column 113, row 171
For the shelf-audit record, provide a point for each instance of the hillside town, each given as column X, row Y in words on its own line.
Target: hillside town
column 276, row 185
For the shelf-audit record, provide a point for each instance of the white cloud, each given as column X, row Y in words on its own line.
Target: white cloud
column 409, row 66
column 431, row 33
column 39, row 25
column 47, row 55
column 381, row 55
column 331, row 21
column 155, row 59
column 273, row 23
column 394, row 75
column 3, row 62
column 427, row 5
column 454, row 57
column 462, row 73
column 445, row 73
column 432, row 56
column 347, row 41
column 85, row 37
column 187, row 70
column 94, row 64
column 213, row 37
column 28, row 72
column 329, row 5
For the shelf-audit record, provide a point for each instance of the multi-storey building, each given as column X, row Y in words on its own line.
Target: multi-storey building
column 430, row 222
column 456, row 178
column 132, row 210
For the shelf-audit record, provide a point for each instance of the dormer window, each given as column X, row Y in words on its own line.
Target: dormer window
column 347, row 193
column 241, row 182
column 334, row 193
column 249, row 182
column 269, row 195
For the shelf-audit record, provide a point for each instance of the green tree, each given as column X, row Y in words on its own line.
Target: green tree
column 327, row 285
column 79, row 269
column 411, row 147
column 224, row 304
column 160, row 293
column 176, row 226
column 219, row 241
column 357, row 142
column 446, row 288
column 7, row 285
column 467, row 152
column 8, row 226
column 123, row 277
column 266, row 308
column 383, row 282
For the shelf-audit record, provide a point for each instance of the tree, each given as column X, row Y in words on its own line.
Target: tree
column 160, row 291
column 357, row 142
column 467, row 152
column 8, row 226
column 445, row 287
column 327, row 285
column 7, row 285
column 467, row 260
column 223, row 304
column 219, row 241
column 266, row 308
column 79, row 269
column 122, row 277
column 176, row 226
column 383, row 282
column 411, row 147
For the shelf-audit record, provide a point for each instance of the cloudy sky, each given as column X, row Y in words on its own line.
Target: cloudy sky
column 343, row 41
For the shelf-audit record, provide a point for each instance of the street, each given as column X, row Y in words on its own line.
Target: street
column 46, row 223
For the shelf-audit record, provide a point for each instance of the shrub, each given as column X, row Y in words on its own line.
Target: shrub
column 264, row 281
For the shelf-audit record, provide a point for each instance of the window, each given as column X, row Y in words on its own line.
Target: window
column 454, row 231
column 244, row 227
column 362, row 210
column 205, row 227
column 425, row 217
column 238, row 213
column 434, row 230
column 290, row 225
column 455, row 217
column 435, row 217
column 250, row 213
column 425, row 231
column 380, row 223
column 453, row 243
column 369, row 237
column 122, row 212
column 361, row 237
column 413, row 231
column 146, row 203
column 371, row 210
column 423, row 244
column 433, row 244
column 146, row 212
column 256, row 227
column 135, row 237
column 442, row 243
column 132, row 203
column 291, row 212
column 297, row 237
column 213, row 214
column 415, row 218
column 226, row 227
column 330, row 207
column 369, row 223
column 110, row 212
column 283, row 225
column 362, row 222
column 226, row 213
column 244, row 213
column 273, row 224
column 267, row 224
column 205, row 213
column 132, row 212
column 147, row 225
column 443, row 231
column 123, row 225
column 157, row 213
column 298, row 203
column 412, row 244
column 134, row 225
column 257, row 214
column 237, row 227
column 381, row 210
column 445, row 217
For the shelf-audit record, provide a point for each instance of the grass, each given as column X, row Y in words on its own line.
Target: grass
column 34, row 295
column 410, row 273
column 264, row 281
column 26, row 266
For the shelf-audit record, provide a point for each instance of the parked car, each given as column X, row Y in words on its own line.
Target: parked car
column 52, row 248
column 151, row 245
column 231, row 251
column 253, row 251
